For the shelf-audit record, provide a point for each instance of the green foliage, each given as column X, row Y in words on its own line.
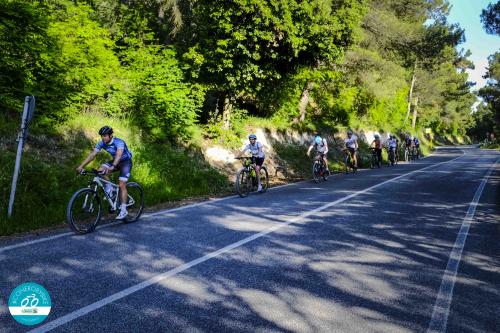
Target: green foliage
column 163, row 103
column 491, row 18
column 48, row 178
column 23, row 40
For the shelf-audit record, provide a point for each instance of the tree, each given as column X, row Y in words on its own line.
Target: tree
column 491, row 92
column 491, row 18
column 241, row 46
column 23, row 39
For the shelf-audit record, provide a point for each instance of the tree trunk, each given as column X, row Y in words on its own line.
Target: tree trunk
column 414, row 122
column 226, row 113
column 410, row 94
column 304, row 101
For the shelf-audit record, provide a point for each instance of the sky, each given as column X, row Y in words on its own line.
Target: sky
column 467, row 14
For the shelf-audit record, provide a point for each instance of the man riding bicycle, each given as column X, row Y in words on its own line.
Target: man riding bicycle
column 416, row 143
column 321, row 147
column 258, row 155
column 377, row 145
column 122, row 161
column 392, row 145
column 351, row 144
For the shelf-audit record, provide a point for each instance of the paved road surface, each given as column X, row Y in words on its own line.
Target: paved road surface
column 368, row 252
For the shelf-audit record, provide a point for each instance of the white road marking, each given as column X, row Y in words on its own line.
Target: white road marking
column 439, row 320
column 157, row 278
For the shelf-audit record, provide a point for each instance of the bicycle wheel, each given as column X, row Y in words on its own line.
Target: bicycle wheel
column 316, row 171
column 346, row 164
column 243, row 184
column 326, row 173
column 264, row 179
column 83, row 211
column 135, row 202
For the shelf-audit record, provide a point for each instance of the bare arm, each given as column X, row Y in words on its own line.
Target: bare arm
column 118, row 156
column 309, row 150
column 89, row 159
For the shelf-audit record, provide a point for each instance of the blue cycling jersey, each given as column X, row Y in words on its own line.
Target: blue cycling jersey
column 113, row 147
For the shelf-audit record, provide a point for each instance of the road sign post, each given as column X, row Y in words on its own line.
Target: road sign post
column 28, row 112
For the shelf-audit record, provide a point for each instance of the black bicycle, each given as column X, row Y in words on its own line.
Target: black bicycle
column 84, row 209
column 319, row 169
column 348, row 161
column 374, row 161
column 246, row 177
column 391, row 156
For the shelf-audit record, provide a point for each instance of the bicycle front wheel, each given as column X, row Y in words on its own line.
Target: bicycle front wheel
column 243, row 184
column 135, row 202
column 264, row 179
column 84, row 211
column 316, row 171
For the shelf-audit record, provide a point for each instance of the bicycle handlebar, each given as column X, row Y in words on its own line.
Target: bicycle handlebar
column 91, row 171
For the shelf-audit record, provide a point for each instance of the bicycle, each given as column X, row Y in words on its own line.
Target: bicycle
column 374, row 159
column 84, row 209
column 246, row 177
column 416, row 152
column 391, row 156
column 408, row 153
column 348, row 164
column 319, row 169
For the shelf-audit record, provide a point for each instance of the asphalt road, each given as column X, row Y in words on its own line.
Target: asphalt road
column 365, row 252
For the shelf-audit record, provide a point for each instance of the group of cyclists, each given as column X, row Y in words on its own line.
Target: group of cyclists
column 122, row 157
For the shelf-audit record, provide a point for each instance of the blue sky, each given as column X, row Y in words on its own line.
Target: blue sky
column 467, row 14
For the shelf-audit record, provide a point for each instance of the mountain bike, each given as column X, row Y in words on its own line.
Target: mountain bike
column 408, row 154
column 348, row 161
column 246, row 177
column 391, row 156
column 319, row 169
column 416, row 153
column 374, row 161
column 84, row 209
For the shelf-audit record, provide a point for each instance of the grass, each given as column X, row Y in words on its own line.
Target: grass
column 167, row 172
column 48, row 179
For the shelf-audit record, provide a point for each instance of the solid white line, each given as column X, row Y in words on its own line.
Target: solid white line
column 121, row 294
column 159, row 213
column 439, row 320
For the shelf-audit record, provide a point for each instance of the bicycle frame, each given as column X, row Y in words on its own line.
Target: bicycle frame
column 99, row 182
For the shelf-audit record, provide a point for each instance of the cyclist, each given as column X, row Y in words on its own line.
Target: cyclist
column 377, row 145
column 416, row 143
column 351, row 144
column 258, row 155
column 408, row 141
column 392, row 144
column 122, row 161
column 321, row 147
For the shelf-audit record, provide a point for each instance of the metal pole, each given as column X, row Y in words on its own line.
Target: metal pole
column 21, row 136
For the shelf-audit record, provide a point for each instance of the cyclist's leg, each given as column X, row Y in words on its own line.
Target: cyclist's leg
column 104, row 168
column 258, row 163
column 325, row 161
column 125, row 167
column 353, row 157
column 379, row 155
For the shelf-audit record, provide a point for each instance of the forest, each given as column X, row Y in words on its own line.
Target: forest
column 171, row 65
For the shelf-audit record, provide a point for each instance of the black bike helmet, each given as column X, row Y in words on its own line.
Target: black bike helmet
column 106, row 130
